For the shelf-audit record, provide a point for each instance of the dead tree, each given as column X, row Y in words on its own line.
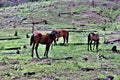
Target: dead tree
column 93, row 4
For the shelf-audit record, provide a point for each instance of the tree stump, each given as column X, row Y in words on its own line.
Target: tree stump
column 114, row 49
column 16, row 34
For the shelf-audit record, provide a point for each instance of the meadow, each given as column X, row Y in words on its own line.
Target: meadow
column 71, row 61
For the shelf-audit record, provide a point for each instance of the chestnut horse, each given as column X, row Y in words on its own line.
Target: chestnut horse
column 61, row 33
column 41, row 38
column 93, row 37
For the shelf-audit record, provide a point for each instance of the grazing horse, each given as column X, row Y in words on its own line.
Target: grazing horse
column 61, row 33
column 41, row 38
column 93, row 37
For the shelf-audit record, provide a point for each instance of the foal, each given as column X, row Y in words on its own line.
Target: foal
column 41, row 38
column 61, row 33
column 93, row 37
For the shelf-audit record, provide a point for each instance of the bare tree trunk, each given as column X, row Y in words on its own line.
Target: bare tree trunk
column 93, row 4
column 33, row 28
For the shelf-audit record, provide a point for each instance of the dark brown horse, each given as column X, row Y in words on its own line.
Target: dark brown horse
column 61, row 33
column 41, row 38
column 93, row 37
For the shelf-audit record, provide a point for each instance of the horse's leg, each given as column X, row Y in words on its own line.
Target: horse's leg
column 63, row 39
column 89, row 40
column 94, row 44
column 88, row 44
column 36, row 47
column 47, row 49
column 66, row 40
column 45, row 52
column 97, row 44
column 91, row 45
column 33, row 49
column 67, row 37
column 55, row 43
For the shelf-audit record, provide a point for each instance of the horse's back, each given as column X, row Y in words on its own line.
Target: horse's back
column 62, row 32
column 44, row 38
column 37, row 36
column 93, row 36
column 40, row 37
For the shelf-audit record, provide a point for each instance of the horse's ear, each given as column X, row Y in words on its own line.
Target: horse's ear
column 57, row 32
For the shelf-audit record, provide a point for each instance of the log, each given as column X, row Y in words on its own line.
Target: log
column 74, row 30
column 14, row 48
column 63, row 13
column 111, row 41
column 29, row 73
column 87, row 69
column 37, row 22
column 66, row 28
column 9, row 38
column 81, row 31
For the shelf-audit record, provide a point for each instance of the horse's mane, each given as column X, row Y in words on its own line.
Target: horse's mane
column 51, row 35
column 93, row 33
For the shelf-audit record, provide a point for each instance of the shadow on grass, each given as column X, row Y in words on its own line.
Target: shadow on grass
column 50, row 59
column 61, row 44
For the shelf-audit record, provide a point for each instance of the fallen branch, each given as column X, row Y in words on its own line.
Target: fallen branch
column 8, row 38
column 113, row 40
column 80, row 31
column 15, row 48
column 37, row 22
column 66, row 28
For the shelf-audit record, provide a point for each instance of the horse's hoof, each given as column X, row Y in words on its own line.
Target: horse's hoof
column 32, row 56
column 46, row 56
column 38, row 57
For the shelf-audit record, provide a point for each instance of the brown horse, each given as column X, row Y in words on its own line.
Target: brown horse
column 93, row 37
column 61, row 33
column 41, row 38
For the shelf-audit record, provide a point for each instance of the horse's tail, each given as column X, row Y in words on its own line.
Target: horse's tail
column 88, row 38
column 67, row 36
column 88, row 41
column 31, row 39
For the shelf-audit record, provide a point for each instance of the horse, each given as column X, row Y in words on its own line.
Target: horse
column 93, row 37
column 42, row 38
column 61, row 33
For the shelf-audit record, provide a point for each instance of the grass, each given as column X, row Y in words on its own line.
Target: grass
column 61, row 68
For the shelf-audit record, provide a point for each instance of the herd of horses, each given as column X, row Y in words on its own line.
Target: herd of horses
column 47, row 39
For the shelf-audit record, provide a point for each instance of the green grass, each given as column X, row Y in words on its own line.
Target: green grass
column 61, row 68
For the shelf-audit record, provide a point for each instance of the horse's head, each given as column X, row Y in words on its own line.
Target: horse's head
column 53, row 35
column 56, row 34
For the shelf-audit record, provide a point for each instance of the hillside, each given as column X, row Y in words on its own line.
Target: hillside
column 63, row 11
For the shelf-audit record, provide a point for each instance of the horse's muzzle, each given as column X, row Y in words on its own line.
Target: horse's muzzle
column 56, row 39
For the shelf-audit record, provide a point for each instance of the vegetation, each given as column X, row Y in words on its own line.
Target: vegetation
column 66, row 62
